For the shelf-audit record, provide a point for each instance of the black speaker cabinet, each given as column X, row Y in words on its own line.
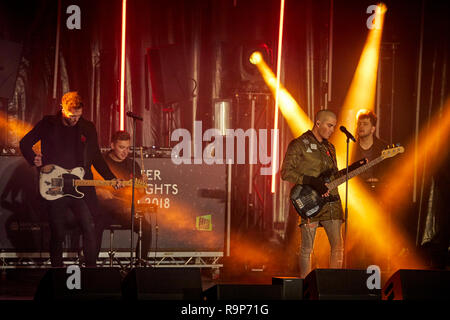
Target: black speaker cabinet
column 338, row 284
column 243, row 292
column 96, row 284
column 291, row 287
column 20, row 282
column 162, row 284
column 417, row 285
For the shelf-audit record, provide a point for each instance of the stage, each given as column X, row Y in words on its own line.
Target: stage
column 264, row 150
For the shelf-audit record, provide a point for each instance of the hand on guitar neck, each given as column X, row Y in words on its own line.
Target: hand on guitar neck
column 119, row 184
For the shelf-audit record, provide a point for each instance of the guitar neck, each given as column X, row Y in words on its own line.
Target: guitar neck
column 337, row 182
column 98, row 183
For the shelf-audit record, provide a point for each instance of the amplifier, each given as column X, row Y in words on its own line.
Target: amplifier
column 147, row 152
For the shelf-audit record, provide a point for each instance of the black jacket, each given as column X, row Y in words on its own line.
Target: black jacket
column 377, row 147
column 87, row 149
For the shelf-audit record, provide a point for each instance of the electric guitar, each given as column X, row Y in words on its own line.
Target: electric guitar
column 308, row 203
column 56, row 182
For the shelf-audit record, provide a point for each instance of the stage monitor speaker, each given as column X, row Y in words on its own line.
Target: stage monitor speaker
column 168, row 74
column 417, row 285
column 162, row 284
column 20, row 282
column 243, row 292
column 338, row 284
column 96, row 284
column 10, row 54
column 292, row 287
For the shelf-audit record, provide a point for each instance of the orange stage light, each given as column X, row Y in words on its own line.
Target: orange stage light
column 432, row 139
column 295, row 117
column 18, row 128
column 361, row 93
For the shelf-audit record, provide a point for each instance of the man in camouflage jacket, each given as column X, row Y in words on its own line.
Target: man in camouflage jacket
column 306, row 158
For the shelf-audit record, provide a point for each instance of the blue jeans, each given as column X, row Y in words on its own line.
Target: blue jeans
column 57, row 220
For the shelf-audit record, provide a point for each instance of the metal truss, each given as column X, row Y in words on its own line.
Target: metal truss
column 116, row 259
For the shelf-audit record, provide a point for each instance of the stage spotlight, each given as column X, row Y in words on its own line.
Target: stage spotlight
column 247, row 51
column 256, row 57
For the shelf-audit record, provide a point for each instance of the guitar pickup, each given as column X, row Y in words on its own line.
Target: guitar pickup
column 56, row 182
column 312, row 211
column 54, row 191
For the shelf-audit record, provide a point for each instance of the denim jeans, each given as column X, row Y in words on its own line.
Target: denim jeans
column 57, row 220
column 334, row 234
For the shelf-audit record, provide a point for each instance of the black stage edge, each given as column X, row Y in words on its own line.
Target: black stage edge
column 155, row 293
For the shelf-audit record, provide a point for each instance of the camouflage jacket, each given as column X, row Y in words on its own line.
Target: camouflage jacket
column 305, row 155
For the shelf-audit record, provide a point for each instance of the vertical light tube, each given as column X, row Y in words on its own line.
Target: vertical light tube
column 122, row 66
column 55, row 72
column 275, row 126
column 330, row 53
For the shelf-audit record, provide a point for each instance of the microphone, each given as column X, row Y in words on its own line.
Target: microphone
column 134, row 116
column 348, row 134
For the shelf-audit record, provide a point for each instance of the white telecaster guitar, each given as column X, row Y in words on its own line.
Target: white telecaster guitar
column 56, row 182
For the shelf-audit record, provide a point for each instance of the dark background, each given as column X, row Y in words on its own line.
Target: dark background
column 207, row 44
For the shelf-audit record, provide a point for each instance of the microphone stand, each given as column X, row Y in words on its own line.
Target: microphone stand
column 132, row 194
column 346, row 204
column 135, row 118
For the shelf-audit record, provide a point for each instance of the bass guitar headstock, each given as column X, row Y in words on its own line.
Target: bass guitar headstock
column 390, row 152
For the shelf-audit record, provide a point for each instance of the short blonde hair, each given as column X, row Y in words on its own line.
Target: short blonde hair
column 72, row 100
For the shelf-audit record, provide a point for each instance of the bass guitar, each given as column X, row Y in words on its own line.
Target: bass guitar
column 56, row 182
column 308, row 202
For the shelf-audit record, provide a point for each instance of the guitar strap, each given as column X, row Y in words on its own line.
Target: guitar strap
column 82, row 143
column 328, row 151
column 331, row 154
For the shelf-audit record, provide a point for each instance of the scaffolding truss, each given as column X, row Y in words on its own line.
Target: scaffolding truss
column 9, row 260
